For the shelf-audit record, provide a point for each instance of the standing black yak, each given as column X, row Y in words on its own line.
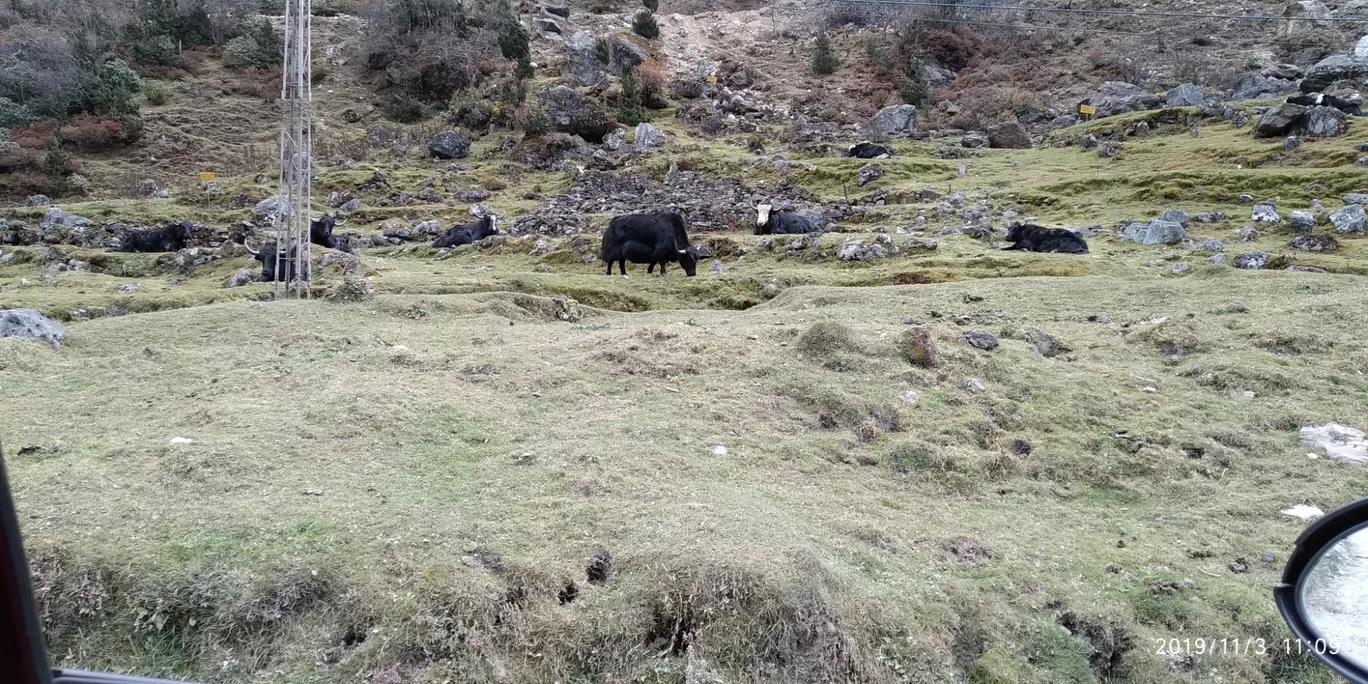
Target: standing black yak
column 655, row 239
column 1033, row 238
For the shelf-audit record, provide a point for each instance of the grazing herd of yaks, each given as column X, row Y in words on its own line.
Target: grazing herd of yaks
column 656, row 239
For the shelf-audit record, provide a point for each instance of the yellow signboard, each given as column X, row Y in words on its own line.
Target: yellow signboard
column 208, row 175
column 1087, row 109
column 712, row 79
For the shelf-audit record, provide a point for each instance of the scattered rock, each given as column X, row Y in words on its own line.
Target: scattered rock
column 1216, row 260
column 449, row 145
column 483, row 559
column 1356, row 198
column 980, row 339
column 1315, row 242
column 647, row 136
column 1249, row 234
column 1118, row 97
column 1265, row 212
column 583, row 65
column 1251, row 260
column 1350, row 219
column 1180, row 268
column 600, row 567
column 29, row 324
column 1279, row 120
column 1185, row 95
column 1324, row 122
column 1334, row 68
column 917, row 348
column 974, row 140
column 1256, row 87
column 271, row 208
column 55, row 218
column 967, row 550
column 1108, row 149
column 1009, row 135
column 1045, row 344
column 312, row 490
column 1207, row 245
column 869, row 173
column 894, row 119
column 1338, row 442
column 1156, row 232
column 1301, row 221
column 716, row 267
column 1176, row 216
column 37, row 201
column 572, row 113
column 1291, row 142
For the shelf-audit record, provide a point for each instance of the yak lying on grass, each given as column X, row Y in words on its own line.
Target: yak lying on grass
column 469, row 233
column 1032, row 238
column 169, row 238
column 269, row 254
column 770, row 222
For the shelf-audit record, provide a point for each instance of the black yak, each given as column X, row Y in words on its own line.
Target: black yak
column 655, row 239
column 169, row 238
column 469, row 233
column 771, row 222
column 869, row 150
column 1033, row 238
column 269, row 254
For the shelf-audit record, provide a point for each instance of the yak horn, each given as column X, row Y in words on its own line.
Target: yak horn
column 254, row 252
column 683, row 251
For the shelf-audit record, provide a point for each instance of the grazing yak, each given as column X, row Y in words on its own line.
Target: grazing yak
column 470, row 233
column 169, row 238
column 771, row 222
column 1321, row 99
column 869, row 150
column 1033, row 238
column 655, row 239
column 268, row 255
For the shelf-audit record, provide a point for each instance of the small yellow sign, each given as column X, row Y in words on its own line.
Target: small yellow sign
column 712, row 79
column 208, row 175
column 1087, row 109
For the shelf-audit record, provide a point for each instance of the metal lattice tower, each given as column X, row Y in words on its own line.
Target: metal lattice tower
column 293, row 258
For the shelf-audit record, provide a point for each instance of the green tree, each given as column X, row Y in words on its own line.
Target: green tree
column 644, row 25
column 112, row 89
column 630, row 111
column 55, row 163
column 824, row 62
column 513, row 41
column 913, row 90
column 652, row 5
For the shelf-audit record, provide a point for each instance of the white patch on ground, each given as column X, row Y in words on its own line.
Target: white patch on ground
column 1339, row 442
column 1303, row 512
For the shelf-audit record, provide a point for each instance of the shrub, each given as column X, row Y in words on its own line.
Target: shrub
column 524, row 69
column 156, row 92
column 537, row 124
column 602, row 52
column 630, row 111
column 652, row 5
column 95, row 133
column 880, row 56
column 914, row 91
column 513, row 41
column 824, row 61
column 956, row 46
column 55, row 163
column 909, row 457
column 257, row 45
column 652, row 75
column 154, row 49
column 512, row 92
column 13, row 114
column 644, row 25
column 353, row 288
column 917, row 348
column 112, row 89
column 39, row 70
column 420, row 16
column 402, row 107
column 825, row 339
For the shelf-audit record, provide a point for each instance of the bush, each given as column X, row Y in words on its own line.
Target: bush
column 602, row 52
column 39, row 70
column 537, row 124
column 652, row 5
column 112, row 89
column 512, row 92
column 420, row 16
column 652, row 75
column 258, row 45
column 403, row 107
column 513, row 41
column 914, row 91
column 644, row 25
column 96, row 133
column 442, row 46
column 13, row 114
column 55, row 163
column 824, row 61
column 630, row 111
column 159, row 49
column 156, row 92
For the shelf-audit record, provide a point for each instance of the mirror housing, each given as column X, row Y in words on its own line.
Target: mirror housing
column 1319, row 538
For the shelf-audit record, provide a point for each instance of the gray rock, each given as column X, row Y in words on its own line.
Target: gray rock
column 1009, row 135
column 1350, row 219
column 1356, row 198
column 1284, row 72
column 572, row 113
column 974, row 140
column 647, row 136
column 1279, row 120
column 625, row 53
column 1337, row 442
column 869, row 173
column 1256, row 87
column 1156, row 232
column 1139, row 130
column 1265, row 212
column 1180, row 268
column 271, row 208
column 55, row 217
column 1360, row 51
column 1109, row 149
column 981, row 339
column 1315, row 242
column 473, row 195
column 583, row 64
column 29, row 324
column 1088, row 141
column 1185, row 95
column 1209, row 217
column 1291, row 142
column 855, row 251
column 1254, row 259
column 1248, row 234
column 1118, row 97
column 1216, row 260
column 1177, row 216
column 615, row 139
column 1324, row 122
column 1207, row 245
column 894, row 119
column 549, row 23
column 1333, row 68
column 1246, row 198
column 716, row 266
column 449, row 145
column 1064, row 121
column 37, row 201
column 351, row 206
column 241, row 277
column 712, row 124
column 1301, row 221
column 1306, row 14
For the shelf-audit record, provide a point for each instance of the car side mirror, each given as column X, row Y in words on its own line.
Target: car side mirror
column 1323, row 596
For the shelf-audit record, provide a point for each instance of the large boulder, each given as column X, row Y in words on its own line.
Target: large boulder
column 1156, row 232
column 1338, row 442
column 1360, row 51
column 1324, row 122
column 1177, row 216
column 271, row 208
column 572, row 113
column 1009, row 135
column 1118, row 97
column 1252, row 260
column 624, row 52
column 582, row 62
column 1277, row 121
column 1331, row 69
column 29, row 324
column 37, row 201
column 1315, row 242
column 1305, row 15
column 56, row 218
column 1185, row 95
column 1256, row 87
column 647, row 136
column 1264, row 212
column 1350, row 219
column 895, row 119
column 449, row 145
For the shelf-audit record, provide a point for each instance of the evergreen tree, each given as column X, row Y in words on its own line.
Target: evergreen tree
column 644, row 25
column 630, row 111
column 824, row 62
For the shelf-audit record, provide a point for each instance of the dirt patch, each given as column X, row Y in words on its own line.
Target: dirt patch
column 1108, row 644
column 969, row 550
